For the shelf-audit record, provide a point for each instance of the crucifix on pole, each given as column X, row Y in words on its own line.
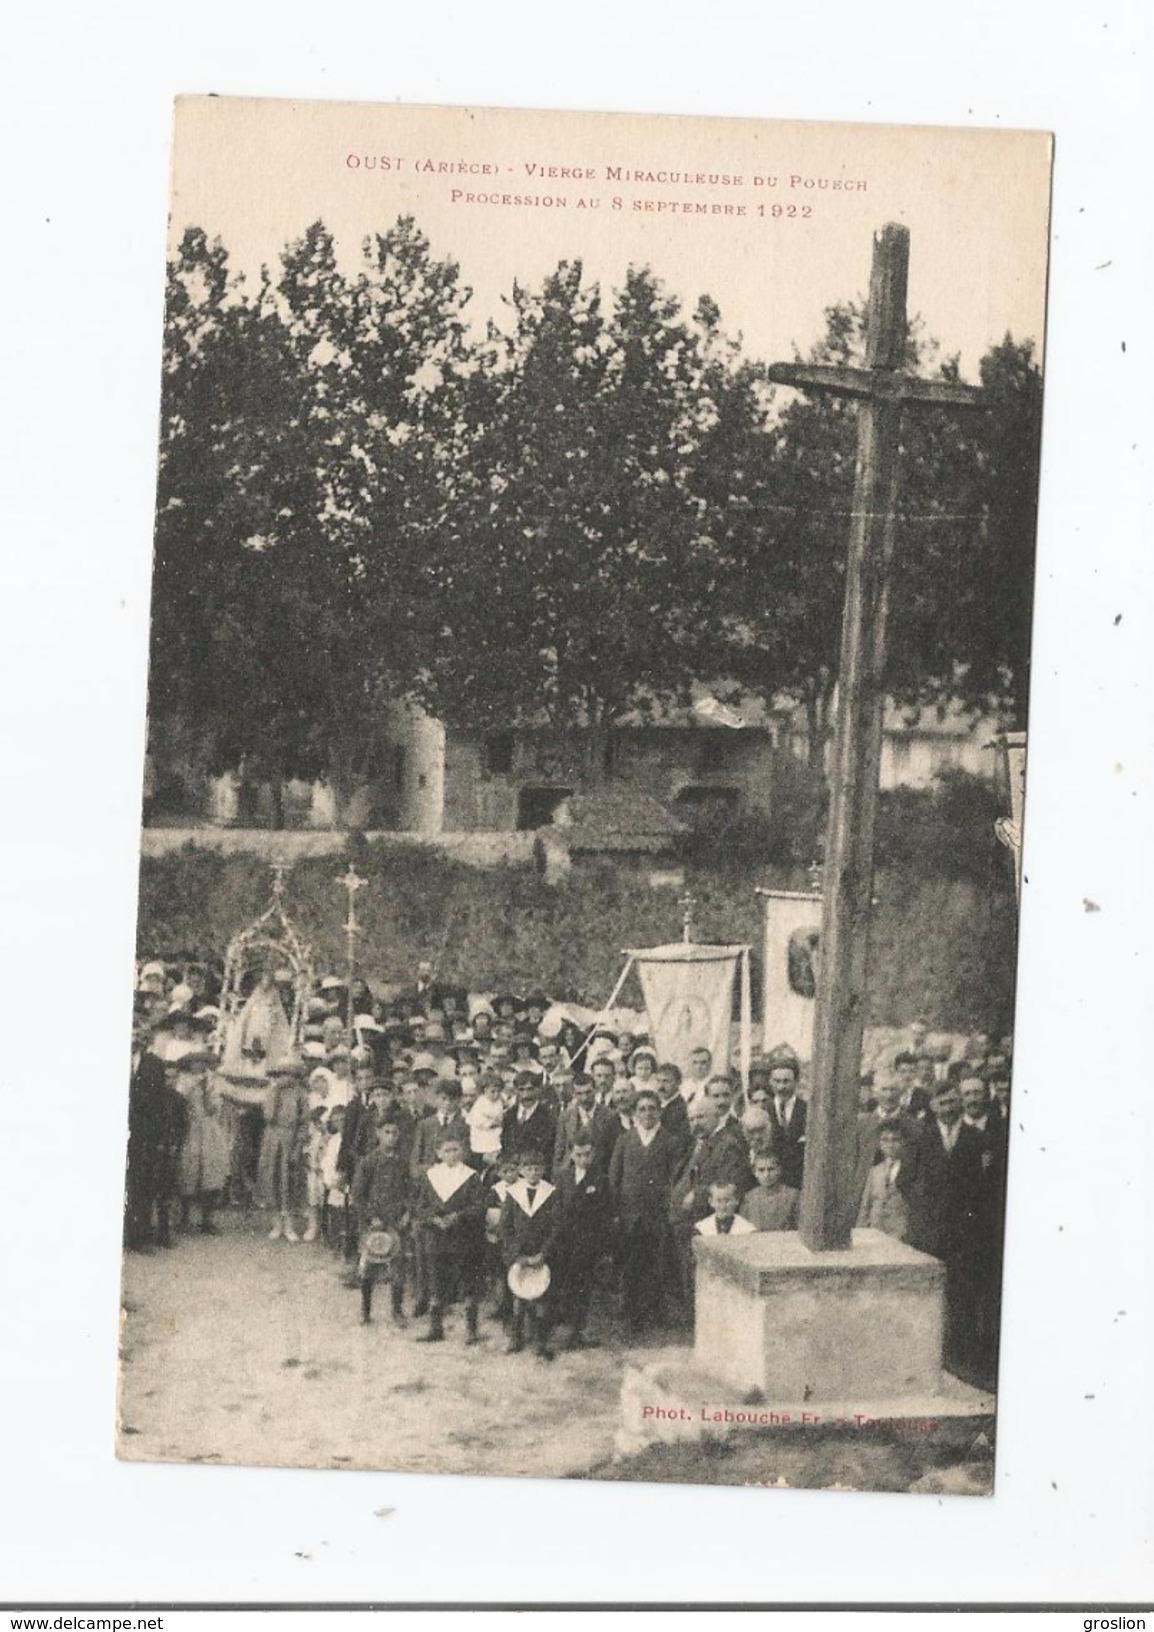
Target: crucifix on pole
column 883, row 392
column 352, row 882
column 687, row 904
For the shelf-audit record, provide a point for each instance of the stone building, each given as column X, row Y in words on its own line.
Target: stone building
column 704, row 763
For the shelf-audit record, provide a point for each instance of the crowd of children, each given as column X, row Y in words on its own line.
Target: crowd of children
column 467, row 1155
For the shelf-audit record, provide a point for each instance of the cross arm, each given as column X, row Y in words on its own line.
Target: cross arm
column 875, row 385
column 842, row 381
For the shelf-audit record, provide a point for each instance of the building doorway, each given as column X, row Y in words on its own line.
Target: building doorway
column 536, row 807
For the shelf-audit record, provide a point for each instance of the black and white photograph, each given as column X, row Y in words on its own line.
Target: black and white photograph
column 573, row 1011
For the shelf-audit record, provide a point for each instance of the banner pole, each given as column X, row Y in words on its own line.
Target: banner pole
column 605, row 1008
column 766, row 1045
column 746, row 1020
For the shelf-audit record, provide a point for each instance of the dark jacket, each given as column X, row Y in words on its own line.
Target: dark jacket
column 455, row 1250
column 427, row 1137
column 568, row 1124
column 147, row 1114
column 537, row 1132
column 586, row 1213
column 641, row 1176
column 381, row 1189
column 675, row 1120
column 946, row 1193
column 614, row 1130
column 721, row 1159
column 358, row 1135
column 525, row 1236
column 789, row 1142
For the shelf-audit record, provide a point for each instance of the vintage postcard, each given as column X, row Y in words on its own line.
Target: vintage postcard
column 573, row 1017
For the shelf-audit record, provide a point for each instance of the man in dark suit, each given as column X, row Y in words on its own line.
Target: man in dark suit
column 641, row 1174
column 717, row 1155
column 423, row 993
column 584, row 1235
column 529, row 1124
column 146, row 1121
column 787, row 1116
column 604, row 1076
column 581, row 1115
column 915, row 1095
column 946, row 1184
column 674, row 1111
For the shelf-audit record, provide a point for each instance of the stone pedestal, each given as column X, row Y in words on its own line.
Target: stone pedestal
column 819, row 1326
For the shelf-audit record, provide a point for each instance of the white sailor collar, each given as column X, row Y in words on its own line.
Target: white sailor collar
column 520, row 1194
column 446, row 1181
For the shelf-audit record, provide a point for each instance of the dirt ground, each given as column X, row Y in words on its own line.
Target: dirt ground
column 244, row 1350
column 239, row 1349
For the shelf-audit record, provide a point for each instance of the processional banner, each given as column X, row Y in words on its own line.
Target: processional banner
column 689, row 999
column 792, row 967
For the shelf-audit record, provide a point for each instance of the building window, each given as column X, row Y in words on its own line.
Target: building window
column 499, row 753
column 707, row 806
column 711, row 753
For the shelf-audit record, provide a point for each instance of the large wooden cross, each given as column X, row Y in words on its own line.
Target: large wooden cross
column 828, row 1198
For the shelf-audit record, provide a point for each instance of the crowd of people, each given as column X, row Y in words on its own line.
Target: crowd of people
column 493, row 1155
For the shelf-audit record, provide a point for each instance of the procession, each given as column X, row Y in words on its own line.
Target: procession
column 491, row 1168
column 664, row 1050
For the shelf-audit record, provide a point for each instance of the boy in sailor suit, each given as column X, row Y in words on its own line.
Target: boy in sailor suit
column 450, row 1213
column 529, row 1222
column 725, row 1218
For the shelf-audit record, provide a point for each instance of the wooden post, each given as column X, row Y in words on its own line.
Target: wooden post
column 828, row 1198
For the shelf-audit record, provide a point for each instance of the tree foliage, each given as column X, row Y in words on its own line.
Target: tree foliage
column 578, row 579
column 305, row 433
column 569, row 518
column 963, row 565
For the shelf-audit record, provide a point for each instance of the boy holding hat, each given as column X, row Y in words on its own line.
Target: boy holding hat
column 380, row 1194
column 529, row 1222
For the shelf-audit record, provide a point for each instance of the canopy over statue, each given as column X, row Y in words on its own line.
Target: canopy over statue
column 259, row 1033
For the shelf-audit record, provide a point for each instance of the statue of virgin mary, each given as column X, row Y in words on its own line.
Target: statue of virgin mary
column 260, row 1037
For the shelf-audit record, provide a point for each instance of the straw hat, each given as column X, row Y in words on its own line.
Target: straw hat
column 529, row 1281
column 379, row 1246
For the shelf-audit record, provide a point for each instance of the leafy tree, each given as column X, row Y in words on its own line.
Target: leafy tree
column 962, row 578
column 306, row 440
column 578, row 582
